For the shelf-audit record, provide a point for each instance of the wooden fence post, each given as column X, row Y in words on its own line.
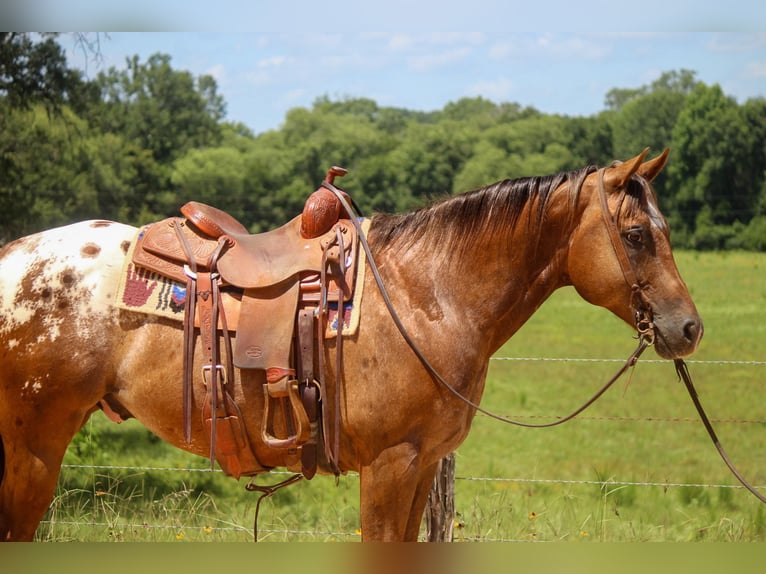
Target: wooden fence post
column 440, row 510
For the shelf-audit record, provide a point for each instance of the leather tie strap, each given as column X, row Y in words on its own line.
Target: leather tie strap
column 331, row 448
column 189, row 314
column 339, row 344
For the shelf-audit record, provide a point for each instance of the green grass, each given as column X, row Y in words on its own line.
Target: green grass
column 582, row 481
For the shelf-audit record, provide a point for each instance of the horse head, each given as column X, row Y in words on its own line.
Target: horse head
column 620, row 256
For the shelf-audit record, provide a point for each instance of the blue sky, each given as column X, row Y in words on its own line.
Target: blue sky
column 263, row 74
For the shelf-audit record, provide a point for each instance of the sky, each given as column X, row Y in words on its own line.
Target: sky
column 263, row 75
column 269, row 56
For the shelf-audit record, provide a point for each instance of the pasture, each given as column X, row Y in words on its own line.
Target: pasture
column 636, row 466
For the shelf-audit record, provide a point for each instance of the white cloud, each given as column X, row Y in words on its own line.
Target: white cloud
column 496, row 90
column 756, row 70
column 456, row 38
column 272, row 62
column 503, row 50
column 218, row 72
column 264, row 70
column 400, row 42
column 586, row 47
column 257, row 78
column 432, row 61
column 574, row 46
column 295, row 96
column 723, row 42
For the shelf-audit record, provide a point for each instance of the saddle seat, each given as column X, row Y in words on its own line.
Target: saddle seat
column 256, row 260
column 250, row 261
column 269, row 258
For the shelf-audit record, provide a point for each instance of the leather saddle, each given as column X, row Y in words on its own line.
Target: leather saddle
column 285, row 278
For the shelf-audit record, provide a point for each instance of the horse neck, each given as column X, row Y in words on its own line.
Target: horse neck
column 489, row 283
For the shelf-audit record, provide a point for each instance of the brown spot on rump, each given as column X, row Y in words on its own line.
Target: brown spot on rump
column 28, row 292
column 26, row 244
column 90, row 250
column 125, row 245
column 100, row 223
column 68, row 278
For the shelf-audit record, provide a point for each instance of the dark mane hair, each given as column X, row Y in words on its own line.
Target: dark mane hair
column 456, row 222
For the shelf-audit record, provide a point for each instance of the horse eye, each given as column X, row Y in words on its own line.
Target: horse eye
column 634, row 235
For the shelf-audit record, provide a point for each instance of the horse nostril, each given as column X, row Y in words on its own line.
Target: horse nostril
column 692, row 330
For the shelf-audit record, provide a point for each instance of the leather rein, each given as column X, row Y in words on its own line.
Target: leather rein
column 642, row 320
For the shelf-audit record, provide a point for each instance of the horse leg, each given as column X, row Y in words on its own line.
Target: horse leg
column 30, row 468
column 394, row 490
column 419, row 502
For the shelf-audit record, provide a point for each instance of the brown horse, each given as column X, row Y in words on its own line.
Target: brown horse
column 464, row 275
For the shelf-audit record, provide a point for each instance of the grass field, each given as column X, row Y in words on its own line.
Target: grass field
column 613, row 474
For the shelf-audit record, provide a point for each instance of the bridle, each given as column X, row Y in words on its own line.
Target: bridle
column 642, row 309
column 642, row 316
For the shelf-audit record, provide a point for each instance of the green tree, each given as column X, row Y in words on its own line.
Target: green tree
column 678, row 81
column 213, row 175
column 534, row 145
column 57, row 171
column 647, row 117
column 429, row 158
column 590, row 140
column 33, row 69
column 158, row 108
column 712, row 174
column 488, row 164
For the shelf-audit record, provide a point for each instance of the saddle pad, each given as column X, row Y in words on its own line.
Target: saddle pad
column 145, row 291
column 351, row 309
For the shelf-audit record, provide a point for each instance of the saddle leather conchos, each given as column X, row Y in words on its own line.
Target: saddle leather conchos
column 286, row 279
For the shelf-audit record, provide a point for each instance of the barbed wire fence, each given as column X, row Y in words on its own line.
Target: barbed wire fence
column 440, row 511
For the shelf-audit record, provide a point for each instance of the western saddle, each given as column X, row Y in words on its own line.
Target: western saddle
column 286, row 281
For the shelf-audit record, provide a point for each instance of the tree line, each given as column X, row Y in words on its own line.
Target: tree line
column 133, row 144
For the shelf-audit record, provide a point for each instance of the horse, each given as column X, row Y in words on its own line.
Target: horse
column 464, row 274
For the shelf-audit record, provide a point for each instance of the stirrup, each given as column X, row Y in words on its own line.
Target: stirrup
column 285, row 387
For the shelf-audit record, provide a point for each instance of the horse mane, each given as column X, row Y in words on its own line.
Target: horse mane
column 458, row 221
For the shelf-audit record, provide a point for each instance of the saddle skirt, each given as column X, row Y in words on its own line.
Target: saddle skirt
column 265, row 282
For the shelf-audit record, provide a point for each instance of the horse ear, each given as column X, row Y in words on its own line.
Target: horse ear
column 650, row 169
column 617, row 176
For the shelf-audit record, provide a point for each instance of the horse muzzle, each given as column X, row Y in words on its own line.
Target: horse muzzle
column 677, row 336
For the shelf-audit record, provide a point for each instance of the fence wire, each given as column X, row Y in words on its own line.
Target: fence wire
column 356, row 535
